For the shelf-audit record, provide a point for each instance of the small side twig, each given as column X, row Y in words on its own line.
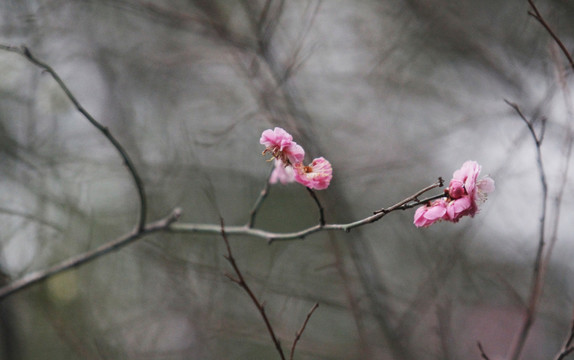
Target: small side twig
column 240, row 280
column 88, row 256
column 536, row 14
column 300, row 332
column 321, row 210
column 482, row 353
column 567, row 347
column 413, row 200
column 271, row 236
column 27, row 54
column 262, row 196
column 540, row 264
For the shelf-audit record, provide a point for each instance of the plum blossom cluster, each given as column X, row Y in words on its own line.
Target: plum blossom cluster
column 288, row 157
column 462, row 197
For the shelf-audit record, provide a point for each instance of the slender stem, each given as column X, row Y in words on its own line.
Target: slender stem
column 25, row 52
column 240, row 280
column 482, row 353
column 88, row 256
column 539, row 265
column 536, row 14
column 321, row 210
column 567, row 347
column 403, row 205
column 274, row 236
column 262, row 196
column 300, row 332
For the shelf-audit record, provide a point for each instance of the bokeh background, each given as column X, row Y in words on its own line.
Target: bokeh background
column 393, row 92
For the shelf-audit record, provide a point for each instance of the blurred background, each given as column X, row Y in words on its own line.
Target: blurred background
column 394, row 93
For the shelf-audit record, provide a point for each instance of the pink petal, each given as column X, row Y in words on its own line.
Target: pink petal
column 295, row 153
column 316, row 176
column 485, row 185
column 276, row 138
column 281, row 173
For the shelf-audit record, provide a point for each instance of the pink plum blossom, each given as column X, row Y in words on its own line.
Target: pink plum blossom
column 463, row 196
column 282, row 173
column 288, row 156
column 430, row 213
column 316, row 175
column 280, row 144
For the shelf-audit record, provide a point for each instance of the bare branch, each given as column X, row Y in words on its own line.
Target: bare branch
column 262, row 196
column 321, row 210
column 536, row 14
column 482, row 353
column 567, row 146
column 539, row 265
column 240, row 280
column 26, row 53
column 88, row 256
column 270, row 236
column 403, row 205
column 567, row 347
column 300, row 332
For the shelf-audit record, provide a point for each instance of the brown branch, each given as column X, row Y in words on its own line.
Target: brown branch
column 321, row 210
column 539, row 270
column 536, row 14
column 567, row 347
column 300, row 332
column 567, row 147
column 26, row 53
column 482, row 353
column 271, row 236
column 262, row 196
column 88, row 256
column 240, row 280
column 413, row 199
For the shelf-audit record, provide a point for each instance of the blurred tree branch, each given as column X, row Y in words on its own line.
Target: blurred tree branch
column 407, row 203
column 536, row 14
column 27, row 54
column 540, row 265
column 240, row 280
column 84, row 258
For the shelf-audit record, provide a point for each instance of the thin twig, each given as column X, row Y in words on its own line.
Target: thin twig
column 482, row 353
column 567, row 147
column 88, row 256
column 321, row 210
column 536, row 14
column 565, row 353
column 26, row 53
column 271, row 236
column 300, row 332
column 240, row 280
column 262, row 196
column 567, row 347
column 539, row 265
column 404, row 204
column 31, row 217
